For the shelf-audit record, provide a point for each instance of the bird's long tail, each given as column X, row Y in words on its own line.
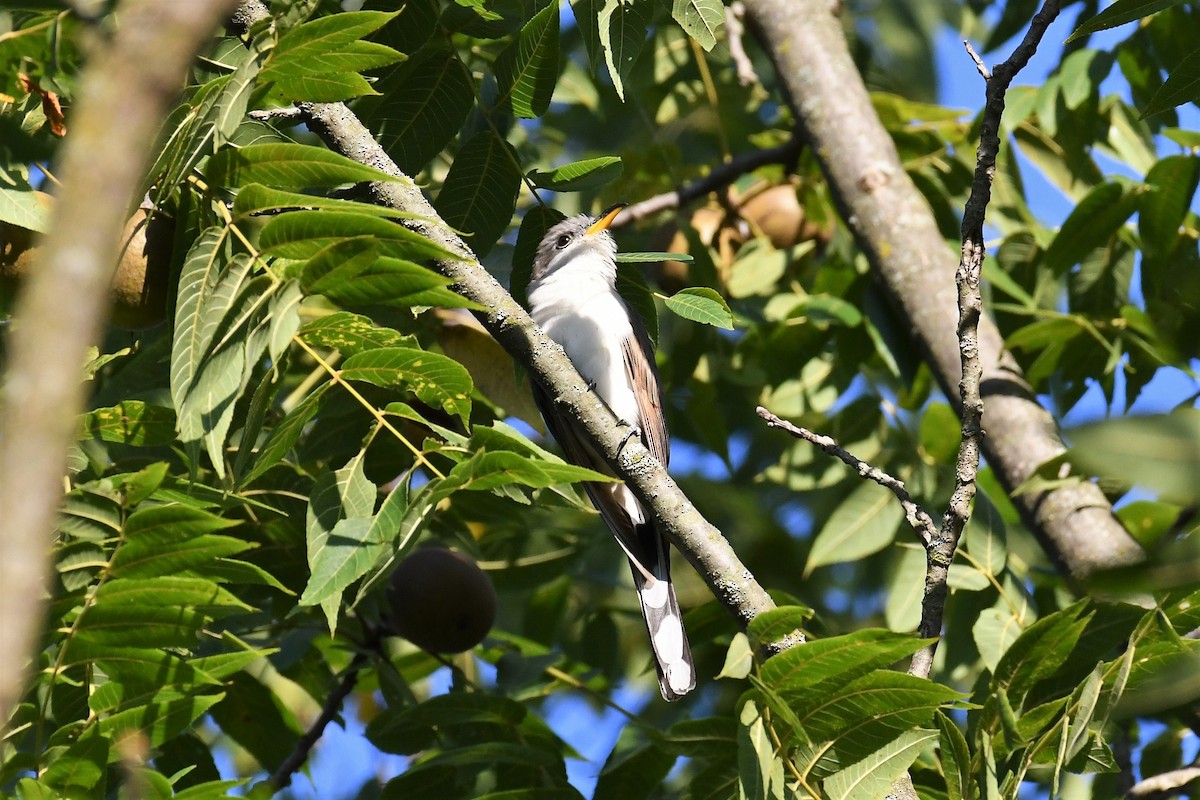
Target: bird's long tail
column 664, row 621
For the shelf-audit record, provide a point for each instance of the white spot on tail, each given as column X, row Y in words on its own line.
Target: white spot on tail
column 668, row 639
column 679, row 676
column 655, row 593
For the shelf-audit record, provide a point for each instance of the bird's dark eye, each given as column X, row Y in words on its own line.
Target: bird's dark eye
column 562, row 241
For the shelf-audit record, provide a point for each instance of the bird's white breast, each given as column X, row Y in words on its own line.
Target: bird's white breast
column 578, row 307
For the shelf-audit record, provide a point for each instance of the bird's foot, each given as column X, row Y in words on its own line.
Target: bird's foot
column 634, row 431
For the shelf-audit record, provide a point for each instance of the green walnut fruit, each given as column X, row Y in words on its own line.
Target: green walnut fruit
column 142, row 279
column 441, row 601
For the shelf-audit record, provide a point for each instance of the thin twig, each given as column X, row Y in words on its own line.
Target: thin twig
column 921, row 522
column 1166, row 784
column 979, row 65
column 734, row 15
column 719, row 178
column 290, row 113
column 970, row 309
column 282, row 777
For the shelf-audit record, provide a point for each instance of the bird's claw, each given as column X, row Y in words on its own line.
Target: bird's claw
column 634, row 431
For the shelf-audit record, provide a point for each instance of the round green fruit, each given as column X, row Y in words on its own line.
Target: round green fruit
column 441, row 601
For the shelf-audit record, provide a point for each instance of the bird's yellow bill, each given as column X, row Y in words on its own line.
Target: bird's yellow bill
column 605, row 219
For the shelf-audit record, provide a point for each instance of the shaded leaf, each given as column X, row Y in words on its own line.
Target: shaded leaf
column 479, row 194
column 864, row 523
column 1119, row 13
column 422, row 109
column 132, row 422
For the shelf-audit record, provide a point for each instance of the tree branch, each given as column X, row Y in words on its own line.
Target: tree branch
column 970, row 312
column 920, row 521
column 123, row 98
column 281, row 778
column 1167, row 784
column 896, row 230
column 719, row 178
column 699, row 541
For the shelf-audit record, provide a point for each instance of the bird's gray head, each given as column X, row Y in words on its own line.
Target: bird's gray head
column 573, row 237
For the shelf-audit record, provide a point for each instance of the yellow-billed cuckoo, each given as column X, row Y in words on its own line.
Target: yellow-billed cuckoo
column 572, row 296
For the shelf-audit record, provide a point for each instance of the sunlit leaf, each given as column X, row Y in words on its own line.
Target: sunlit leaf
column 701, row 304
column 701, row 19
column 578, row 176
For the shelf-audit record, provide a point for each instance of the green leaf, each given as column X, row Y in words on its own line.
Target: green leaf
column 994, row 632
column 1181, row 86
column 22, row 207
column 303, row 234
column 1119, row 13
column 207, row 122
column 1044, row 333
column 636, row 293
column 652, row 258
column 760, row 771
column 422, row 108
column 132, row 422
column 906, row 585
column 578, row 176
column 778, row 624
column 700, row 19
column 435, row 379
column 414, row 727
column 318, row 61
column 394, row 282
column 739, row 658
column 256, row 198
column 351, row 334
column 527, row 70
column 342, row 541
column 536, row 222
column 1090, row 225
column 150, row 612
column 81, row 769
column 285, row 435
column 479, row 194
column 621, row 30
column 172, row 539
column 633, row 774
column 339, row 263
column 701, row 304
column 1160, row 452
column 160, row 720
column 491, row 470
column 254, row 717
column 1040, row 650
column 863, row 524
column 833, row 662
column 955, row 758
column 199, row 309
column 1172, row 182
column 865, row 715
column 986, row 539
column 874, row 775
column 287, row 166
